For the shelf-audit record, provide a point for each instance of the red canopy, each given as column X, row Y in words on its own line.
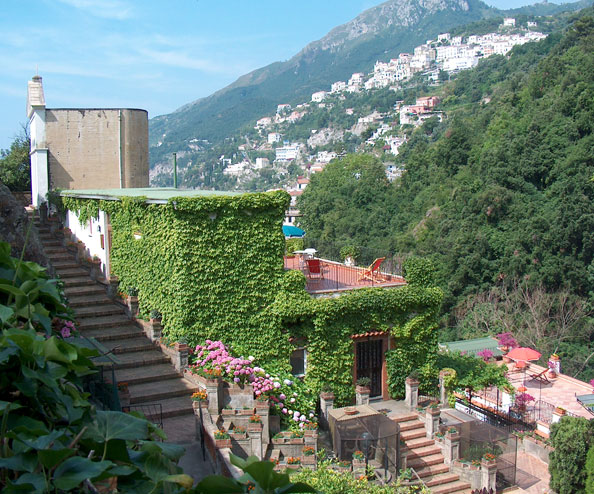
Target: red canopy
column 523, row 354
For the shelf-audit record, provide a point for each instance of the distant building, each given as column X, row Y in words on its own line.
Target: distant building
column 263, row 123
column 509, row 22
column 84, row 148
column 283, row 108
column 338, row 86
column 262, row 163
column 531, row 24
column 288, row 152
column 274, row 137
column 302, row 183
column 319, row 96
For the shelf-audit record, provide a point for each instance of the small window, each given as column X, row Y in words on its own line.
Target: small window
column 299, row 362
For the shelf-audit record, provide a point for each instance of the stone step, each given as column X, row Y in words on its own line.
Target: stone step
column 73, row 272
column 138, row 344
column 405, row 417
column 149, row 373
column 94, row 311
column 112, row 334
column 442, row 478
column 55, row 250
column 78, row 281
column 84, row 290
column 65, row 264
column 139, row 359
column 414, row 434
column 432, row 470
column 457, row 486
column 45, row 235
column 425, row 461
column 53, row 242
column 59, row 255
column 411, row 425
column 419, row 443
column 90, row 322
column 88, row 300
column 175, row 407
column 426, row 451
column 156, row 391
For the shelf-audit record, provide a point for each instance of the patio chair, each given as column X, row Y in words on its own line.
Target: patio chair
column 542, row 377
column 372, row 273
column 314, row 268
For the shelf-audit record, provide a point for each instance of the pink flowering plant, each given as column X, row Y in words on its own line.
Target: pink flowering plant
column 522, row 399
column 485, row 354
column 507, row 339
column 289, row 397
column 64, row 328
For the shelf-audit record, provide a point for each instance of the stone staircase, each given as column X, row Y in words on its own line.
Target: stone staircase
column 150, row 376
column 426, row 459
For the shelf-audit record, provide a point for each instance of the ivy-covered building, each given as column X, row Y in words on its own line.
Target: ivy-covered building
column 212, row 264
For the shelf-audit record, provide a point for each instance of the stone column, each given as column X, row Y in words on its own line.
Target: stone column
column 212, row 390
column 404, row 452
column 326, row 404
column 432, row 421
column 489, row 474
column 411, row 387
column 452, row 447
column 362, row 395
column 112, row 287
column 181, row 357
column 256, row 443
column 264, row 412
column 443, row 394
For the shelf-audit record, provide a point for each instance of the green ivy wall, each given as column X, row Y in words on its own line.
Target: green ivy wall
column 213, row 267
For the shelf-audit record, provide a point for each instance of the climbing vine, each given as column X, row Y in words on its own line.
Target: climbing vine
column 213, row 267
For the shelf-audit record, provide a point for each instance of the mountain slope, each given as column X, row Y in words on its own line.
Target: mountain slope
column 378, row 33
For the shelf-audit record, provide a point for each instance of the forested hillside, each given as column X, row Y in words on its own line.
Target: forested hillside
column 500, row 196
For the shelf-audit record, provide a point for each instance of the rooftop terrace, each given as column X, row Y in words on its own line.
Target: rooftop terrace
column 336, row 277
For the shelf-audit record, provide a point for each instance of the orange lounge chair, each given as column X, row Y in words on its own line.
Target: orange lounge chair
column 314, row 268
column 372, row 273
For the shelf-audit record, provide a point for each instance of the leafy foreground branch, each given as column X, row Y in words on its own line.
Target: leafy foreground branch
column 52, row 439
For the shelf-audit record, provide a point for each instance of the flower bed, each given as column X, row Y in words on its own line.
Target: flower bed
column 288, row 398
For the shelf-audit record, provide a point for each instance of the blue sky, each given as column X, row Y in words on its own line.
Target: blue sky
column 151, row 54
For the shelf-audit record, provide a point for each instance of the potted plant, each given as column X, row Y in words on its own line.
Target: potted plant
column 222, row 439
column 310, row 429
column 239, row 432
column 255, row 423
column 489, row 459
column 506, row 342
column 293, row 462
column 297, row 437
column 309, row 455
column 246, row 411
column 262, row 402
column 358, row 459
column 199, row 399
column 560, row 411
column 452, row 433
column 363, row 385
column 327, row 393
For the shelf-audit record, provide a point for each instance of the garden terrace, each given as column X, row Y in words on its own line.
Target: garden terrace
column 337, row 277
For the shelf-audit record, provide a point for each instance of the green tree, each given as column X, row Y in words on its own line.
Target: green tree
column 15, row 164
column 348, row 203
column 571, row 437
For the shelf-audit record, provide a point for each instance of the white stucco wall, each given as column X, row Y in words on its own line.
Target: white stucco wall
column 90, row 235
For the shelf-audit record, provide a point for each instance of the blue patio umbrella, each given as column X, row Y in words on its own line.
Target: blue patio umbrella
column 292, row 231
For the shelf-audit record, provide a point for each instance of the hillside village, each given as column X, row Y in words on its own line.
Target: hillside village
column 270, row 151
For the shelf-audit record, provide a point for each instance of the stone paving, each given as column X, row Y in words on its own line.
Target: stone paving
column 532, row 474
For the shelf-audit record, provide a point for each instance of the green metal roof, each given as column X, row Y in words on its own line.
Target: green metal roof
column 151, row 193
column 472, row 346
